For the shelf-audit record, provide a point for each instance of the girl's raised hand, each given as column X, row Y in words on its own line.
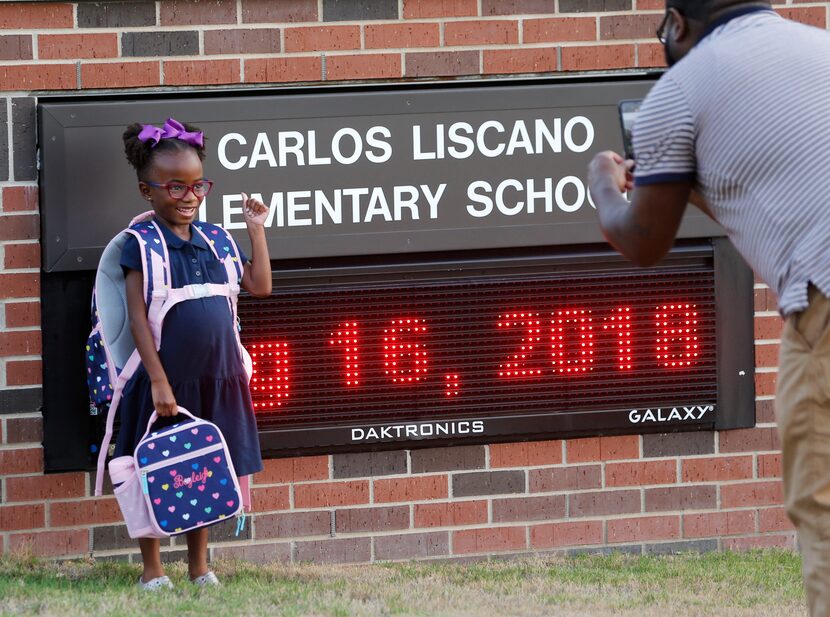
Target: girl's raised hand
column 255, row 211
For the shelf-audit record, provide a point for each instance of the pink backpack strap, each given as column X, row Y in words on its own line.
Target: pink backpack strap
column 155, row 268
column 227, row 251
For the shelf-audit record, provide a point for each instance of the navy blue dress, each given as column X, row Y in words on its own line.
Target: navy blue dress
column 200, row 356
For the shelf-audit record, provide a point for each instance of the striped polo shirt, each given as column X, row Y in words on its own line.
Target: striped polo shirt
column 746, row 117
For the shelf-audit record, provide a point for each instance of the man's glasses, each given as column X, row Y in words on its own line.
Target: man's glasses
column 178, row 190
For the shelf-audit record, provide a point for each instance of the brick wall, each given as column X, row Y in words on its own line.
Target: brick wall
column 650, row 493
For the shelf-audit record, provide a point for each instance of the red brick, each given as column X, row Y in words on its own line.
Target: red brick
column 810, row 15
column 643, row 529
column 70, row 46
column 24, row 372
column 766, row 355
column 280, row 70
column 270, row 498
column 84, row 512
column 765, row 411
column 529, row 454
column 417, row 488
column 64, row 543
column 650, row 55
column 27, row 15
column 572, row 478
column 749, row 440
column 22, row 314
column 442, row 63
column 20, row 343
column 201, row 72
column 20, row 285
column 651, row 5
column 523, row 509
column 487, row 32
column 20, row 256
column 288, row 470
column 769, row 465
column 251, row 41
column 411, row 545
column 597, row 57
column 322, row 38
column 768, row 328
column 401, row 35
column 535, row 60
column 19, row 227
column 360, row 520
column 275, row 552
column 640, row 474
column 692, row 497
column 38, row 77
column 718, row 468
column 28, row 516
column 120, row 74
column 16, row 47
column 40, row 488
column 197, row 12
column 327, row 494
column 637, row 26
column 416, row 9
column 774, row 519
column 372, row 66
column 24, row 430
column 752, row 494
column 559, row 29
column 595, row 449
column 450, row 514
column 334, row 550
column 555, row 535
column 293, row 524
column 20, row 460
column 786, row 540
column 20, row 199
column 759, row 299
column 765, row 383
column 268, row 11
column 717, row 524
column 490, row 540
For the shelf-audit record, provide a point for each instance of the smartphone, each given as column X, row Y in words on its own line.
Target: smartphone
column 628, row 113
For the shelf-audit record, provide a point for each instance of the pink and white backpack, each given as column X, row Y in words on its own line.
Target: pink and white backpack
column 111, row 355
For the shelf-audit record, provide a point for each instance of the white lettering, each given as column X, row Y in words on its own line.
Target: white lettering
column 262, row 152
column 384, row 147
column 485, row 201
column 223, row 155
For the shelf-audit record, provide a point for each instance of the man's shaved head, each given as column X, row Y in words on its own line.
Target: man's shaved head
column 705, row 10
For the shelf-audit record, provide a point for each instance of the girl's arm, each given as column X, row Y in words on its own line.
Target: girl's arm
column 256, row 278
column 163, row 398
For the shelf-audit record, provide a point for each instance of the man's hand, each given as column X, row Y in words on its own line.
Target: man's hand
column 610, row 167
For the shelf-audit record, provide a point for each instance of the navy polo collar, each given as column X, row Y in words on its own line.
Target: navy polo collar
column 727, row 17
column 174, row 241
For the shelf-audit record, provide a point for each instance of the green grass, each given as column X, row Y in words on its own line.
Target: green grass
column 757, row 583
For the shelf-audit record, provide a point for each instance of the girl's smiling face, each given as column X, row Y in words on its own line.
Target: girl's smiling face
column 174, row 167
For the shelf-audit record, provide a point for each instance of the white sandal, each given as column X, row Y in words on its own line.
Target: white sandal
column 208, row 579
column 155, row 584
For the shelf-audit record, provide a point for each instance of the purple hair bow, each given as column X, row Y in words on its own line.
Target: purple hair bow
column 172, row 129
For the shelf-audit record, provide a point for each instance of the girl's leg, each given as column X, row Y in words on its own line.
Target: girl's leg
column 151, row 556
column 197, row 552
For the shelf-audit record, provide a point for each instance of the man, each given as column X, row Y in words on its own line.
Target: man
column 740, row 126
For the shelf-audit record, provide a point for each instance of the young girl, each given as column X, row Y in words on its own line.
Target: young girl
column 198, row 365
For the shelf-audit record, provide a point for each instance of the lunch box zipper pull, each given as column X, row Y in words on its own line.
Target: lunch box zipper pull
column 145, row 488
column 240, row 522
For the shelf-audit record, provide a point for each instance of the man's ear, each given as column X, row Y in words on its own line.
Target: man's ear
column 679, row 25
